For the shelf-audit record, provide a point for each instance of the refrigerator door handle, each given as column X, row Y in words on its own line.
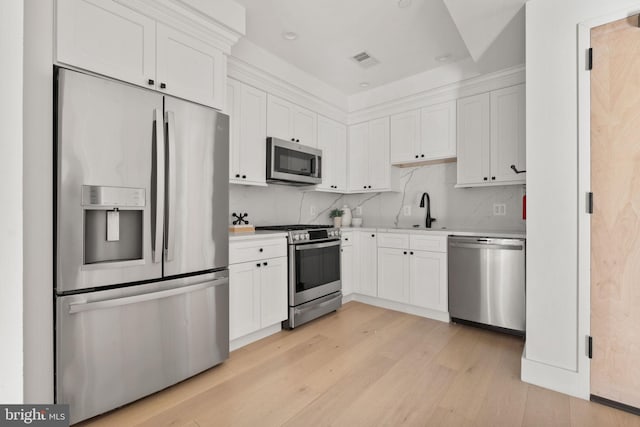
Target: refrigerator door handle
column 170, row 217
column 158, row 203
column 79, row 307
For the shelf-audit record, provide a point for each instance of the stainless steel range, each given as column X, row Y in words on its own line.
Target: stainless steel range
column 315, row 287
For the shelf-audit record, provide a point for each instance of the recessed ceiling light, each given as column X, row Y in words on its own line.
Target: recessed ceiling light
column 289, row 35
column 404, row 3
column 364, row 84
column 443, row 58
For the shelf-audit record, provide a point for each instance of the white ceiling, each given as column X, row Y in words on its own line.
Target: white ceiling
column 405, row 41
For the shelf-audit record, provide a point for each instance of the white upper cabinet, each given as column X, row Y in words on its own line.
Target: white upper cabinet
column 425, row 134
column 189, row 68
column 369, row 164
column 107, row 38
column 491, row 137
column 291, row 122
column 247, row 109
column 405, row 137
column 508, row 134
column 438, row 131
column 111, row 39
column 474, row 139
column 332, row 140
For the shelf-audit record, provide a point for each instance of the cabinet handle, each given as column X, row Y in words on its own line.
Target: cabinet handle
column 297, row 140
column 265, row 263
column 151, row 82
column 416, row 156
column 422, row 155
column 261, row 250
column 346, row 238
column 244, row 176
column 258, row 265
column 163, row 85
column 410, row 253
column 493, row 178
column 369, row 186
column 373, row 235
column 485, row 178
column 237, row 175
column 364, row 186
column 293, row 140
column 405, row 252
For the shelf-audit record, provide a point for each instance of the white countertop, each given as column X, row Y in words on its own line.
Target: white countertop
column 457, row 231
column 255, row 235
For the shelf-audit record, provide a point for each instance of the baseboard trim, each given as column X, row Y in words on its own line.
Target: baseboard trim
column 616, row 405
column 254, row 336
column 405, row 308
column 553, row 378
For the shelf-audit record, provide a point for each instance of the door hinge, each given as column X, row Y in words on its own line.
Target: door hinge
column 589, row 202
column 590, row 347
column 590, row 59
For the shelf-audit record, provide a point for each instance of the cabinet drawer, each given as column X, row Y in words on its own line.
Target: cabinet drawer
column 422, row 242
column 393, row 240
column 347, row 238
column 256, row 250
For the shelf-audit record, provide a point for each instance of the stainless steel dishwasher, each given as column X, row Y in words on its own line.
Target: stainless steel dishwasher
column 487, row 282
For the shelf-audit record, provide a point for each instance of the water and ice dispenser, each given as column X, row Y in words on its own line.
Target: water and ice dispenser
column 113, row 223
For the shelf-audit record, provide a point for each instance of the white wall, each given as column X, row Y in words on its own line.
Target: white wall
column 555, row 355
column 38, row 185
column 11, row 51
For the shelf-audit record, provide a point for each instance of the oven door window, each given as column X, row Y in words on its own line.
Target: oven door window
column 294, row 162
column 316, row 266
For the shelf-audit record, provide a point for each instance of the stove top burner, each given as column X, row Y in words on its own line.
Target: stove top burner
column 294, row 227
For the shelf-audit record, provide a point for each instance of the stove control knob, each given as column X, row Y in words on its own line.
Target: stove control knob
column 296, row 237
column 306, row 236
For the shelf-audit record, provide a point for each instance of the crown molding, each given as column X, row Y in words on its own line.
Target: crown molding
column 186, row 19
column 449, row 92
column 245, row 72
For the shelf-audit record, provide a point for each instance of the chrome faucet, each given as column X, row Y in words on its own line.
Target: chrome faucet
column 429, row 220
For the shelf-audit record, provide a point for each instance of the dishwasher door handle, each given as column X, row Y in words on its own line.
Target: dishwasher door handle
column 518, row 247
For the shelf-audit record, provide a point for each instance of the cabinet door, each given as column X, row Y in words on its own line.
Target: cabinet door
column 474, row 139
column 359, row 157
column 273, row 291
column 438, row 131
column 190, row 68
column 405, row 137
column 508, row 133
column 368, row 248
column 332, row 141
column 393, row 274
column 379, row 164
column 244, row 299
column 346, row 263
column 107, row 38
column 279, row 118
column 305, row 126
column 428, row 283
column 232, row 108
column 253, row 135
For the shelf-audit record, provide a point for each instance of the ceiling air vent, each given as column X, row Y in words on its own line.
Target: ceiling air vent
column 365, row 60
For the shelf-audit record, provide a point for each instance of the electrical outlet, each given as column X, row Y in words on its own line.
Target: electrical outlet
column 313, row 211
column 406, row 210
column 359, row 210
column 499, row 209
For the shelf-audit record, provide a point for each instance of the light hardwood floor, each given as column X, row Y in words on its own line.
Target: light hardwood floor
column 367, row 366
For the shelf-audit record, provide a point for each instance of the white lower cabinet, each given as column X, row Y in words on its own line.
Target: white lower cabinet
column 347, row 267
column 257, row 290
column 367, row 283
column 412, row 276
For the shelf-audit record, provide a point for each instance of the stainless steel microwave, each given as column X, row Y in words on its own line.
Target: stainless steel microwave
column 292, row 163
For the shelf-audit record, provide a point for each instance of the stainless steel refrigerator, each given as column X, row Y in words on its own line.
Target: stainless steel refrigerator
column 141, row 269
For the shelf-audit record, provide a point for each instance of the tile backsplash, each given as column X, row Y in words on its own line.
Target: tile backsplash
column 452, row 207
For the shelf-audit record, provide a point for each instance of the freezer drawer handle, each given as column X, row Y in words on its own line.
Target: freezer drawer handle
column 79, row 307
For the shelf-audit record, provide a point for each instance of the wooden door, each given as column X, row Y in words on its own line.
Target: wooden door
column 615, row 223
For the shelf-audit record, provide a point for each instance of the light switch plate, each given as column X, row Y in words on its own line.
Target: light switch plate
column 499, row 209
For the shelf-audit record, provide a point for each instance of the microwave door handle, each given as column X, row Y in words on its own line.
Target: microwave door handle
column 158, row 202
column 170, row 216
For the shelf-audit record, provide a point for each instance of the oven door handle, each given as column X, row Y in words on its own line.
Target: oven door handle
column 317, row 245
